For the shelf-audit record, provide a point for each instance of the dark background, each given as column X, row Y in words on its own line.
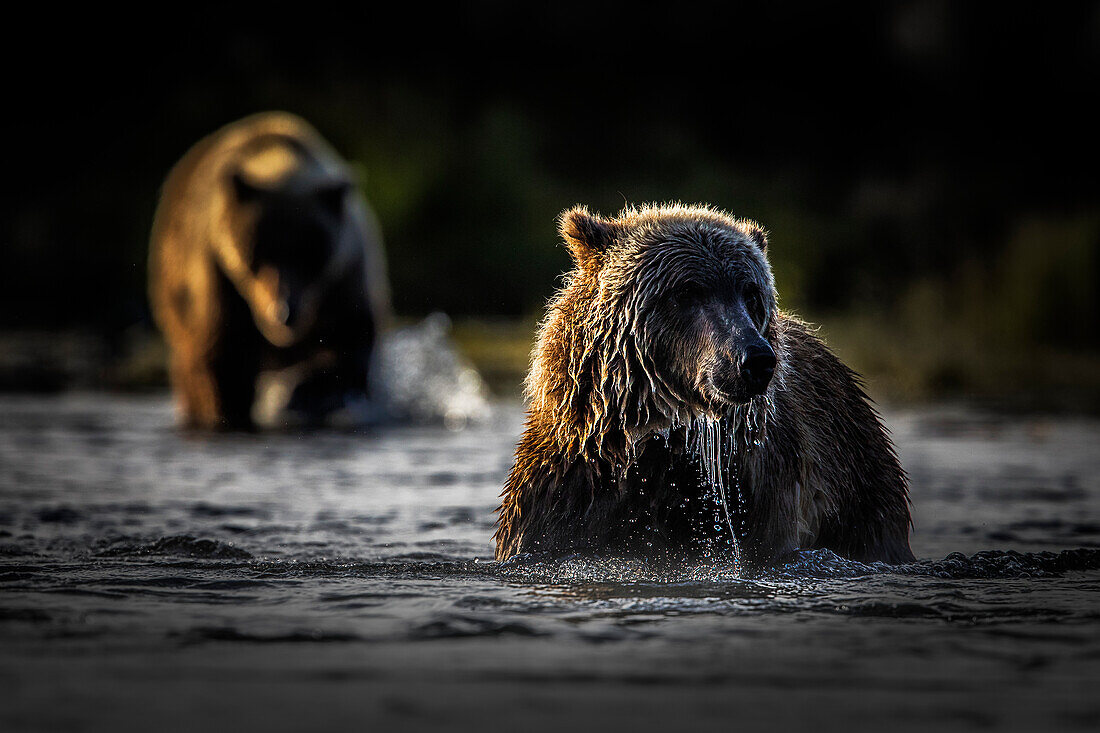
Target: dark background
column 928, row 170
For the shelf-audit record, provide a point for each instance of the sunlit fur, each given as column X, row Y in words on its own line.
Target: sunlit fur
column 616, row 368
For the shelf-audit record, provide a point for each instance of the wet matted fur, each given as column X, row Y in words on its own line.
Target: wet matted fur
column 669, row 323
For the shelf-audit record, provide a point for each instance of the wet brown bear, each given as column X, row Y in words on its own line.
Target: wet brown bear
column 265, row 259
column 665, row 376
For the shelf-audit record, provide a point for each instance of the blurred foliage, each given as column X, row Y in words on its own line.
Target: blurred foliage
column 1017, row 328
column 926, row 169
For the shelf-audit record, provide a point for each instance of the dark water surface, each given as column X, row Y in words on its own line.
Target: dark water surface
column 151, row 580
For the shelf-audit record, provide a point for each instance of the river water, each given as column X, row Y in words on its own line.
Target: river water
column 155, row 580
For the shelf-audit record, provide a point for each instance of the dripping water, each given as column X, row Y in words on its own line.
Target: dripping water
column 716, row 442
column 704, row 439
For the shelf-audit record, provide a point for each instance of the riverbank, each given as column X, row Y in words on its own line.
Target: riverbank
column 900, row 367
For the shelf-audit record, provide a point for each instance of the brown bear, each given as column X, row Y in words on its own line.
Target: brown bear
column 675, row 411
column 264, row 258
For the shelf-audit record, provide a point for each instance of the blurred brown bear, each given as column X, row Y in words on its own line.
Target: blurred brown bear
column 264, row 259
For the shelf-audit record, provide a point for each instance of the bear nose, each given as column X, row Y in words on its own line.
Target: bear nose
column 290, row 312
column 757, row 368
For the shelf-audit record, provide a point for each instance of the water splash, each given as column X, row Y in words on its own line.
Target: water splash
column 419, row 376
column 423, row 378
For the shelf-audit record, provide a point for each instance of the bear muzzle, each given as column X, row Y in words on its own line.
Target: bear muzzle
column 737, row 377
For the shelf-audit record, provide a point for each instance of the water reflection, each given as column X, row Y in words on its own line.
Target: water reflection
column 136, row 542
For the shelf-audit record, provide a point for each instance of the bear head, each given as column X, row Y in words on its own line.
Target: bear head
column 669, row 314
column 287, row 236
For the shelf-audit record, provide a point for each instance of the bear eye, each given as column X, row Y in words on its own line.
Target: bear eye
column 685, row 294
column 754, row 303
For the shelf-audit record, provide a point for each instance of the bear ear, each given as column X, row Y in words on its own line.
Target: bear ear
column 758, row 236
column 588, row 236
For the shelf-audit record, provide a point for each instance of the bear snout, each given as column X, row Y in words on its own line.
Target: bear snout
column 757, row 368
column 289, row 311
column 739, row 376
